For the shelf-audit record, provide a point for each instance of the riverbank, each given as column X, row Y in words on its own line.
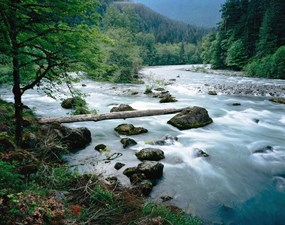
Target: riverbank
column 37, row 187
column 223, row 83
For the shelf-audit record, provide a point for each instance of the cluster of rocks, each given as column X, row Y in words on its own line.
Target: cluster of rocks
column 165, row 96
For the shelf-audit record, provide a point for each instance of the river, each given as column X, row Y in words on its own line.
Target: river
column 238, row 184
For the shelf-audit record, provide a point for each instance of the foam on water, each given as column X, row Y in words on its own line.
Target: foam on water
column 229, row 185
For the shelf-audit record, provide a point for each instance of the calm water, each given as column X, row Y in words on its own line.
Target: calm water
column 234, row 185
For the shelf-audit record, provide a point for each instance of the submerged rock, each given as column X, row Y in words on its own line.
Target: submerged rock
column 167, row 98
column 200, row 153
column 122, row 108
column 278, row 100
column 151, row 170
column 128, row 142
column 236, row 104
column 129, row 129
column 152, row 154
column 265, row 149
column 167, row 140
column 166, row 198
column 191, row 118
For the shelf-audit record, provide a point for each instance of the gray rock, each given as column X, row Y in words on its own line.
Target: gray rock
column 200, row 153
column 119, row 165
column 128, row 142
column 151, row 170
column 152, row 154
column 191, row 118
column 167, row 140
column 122, row 108
column 129, row 129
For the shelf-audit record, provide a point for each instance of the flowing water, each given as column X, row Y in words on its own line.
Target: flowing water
column 238, row 184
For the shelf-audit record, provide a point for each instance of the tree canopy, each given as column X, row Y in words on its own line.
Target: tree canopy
column 43, row 41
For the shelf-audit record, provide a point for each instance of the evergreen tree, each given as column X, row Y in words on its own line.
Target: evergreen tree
column 236, row 56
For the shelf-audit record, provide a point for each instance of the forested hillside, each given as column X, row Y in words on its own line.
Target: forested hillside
column 251, row 36
column 199, row 12
column 139, row 36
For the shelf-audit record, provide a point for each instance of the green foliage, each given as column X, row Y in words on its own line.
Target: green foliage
column 152, row 210
column 236, row 55
column 271, row 66
column 10, row 180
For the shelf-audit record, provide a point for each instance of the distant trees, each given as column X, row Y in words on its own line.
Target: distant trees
column 248, row 37
column 140, row 36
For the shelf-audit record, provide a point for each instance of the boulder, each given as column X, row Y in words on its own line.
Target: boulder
column 130, row 171
column 122, row 108
column 72, row 103
column 119, row 165
column 151, row 170
column 74, row 138
column 167, row 140
column 128, row 142
column 137, row 178
column 129, row 129
column 152, row 154
column 191, row 118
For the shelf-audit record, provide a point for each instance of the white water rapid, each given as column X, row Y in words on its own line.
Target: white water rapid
column 243, row 179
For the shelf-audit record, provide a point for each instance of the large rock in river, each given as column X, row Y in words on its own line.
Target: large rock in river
column 122, row 108
column 129, row 129
column 74, row 138
column 152, row 154
column 151, row 170
column 191, row 118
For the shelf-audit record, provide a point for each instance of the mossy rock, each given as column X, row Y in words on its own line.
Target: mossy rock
column 167, row 98
column 152, row 154
column 191, row 118
column 119, row 165
column 151, row 170
column 146, row 188
column 101, row 148
column 128, row 142
column 73, row 103
column 130, row 171
column 122, row 108
column 212, row 93
column 129, row 129
column 278, row 100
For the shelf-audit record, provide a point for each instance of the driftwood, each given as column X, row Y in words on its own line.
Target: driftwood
column 109, row 116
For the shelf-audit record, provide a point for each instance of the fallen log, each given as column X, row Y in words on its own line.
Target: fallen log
column 109, row 116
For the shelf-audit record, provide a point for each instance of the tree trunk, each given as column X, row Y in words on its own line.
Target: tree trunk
column 109, row 116
column 16, row 76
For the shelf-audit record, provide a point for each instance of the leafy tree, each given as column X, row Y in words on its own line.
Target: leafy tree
column 236, row 55
column 44, row 40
